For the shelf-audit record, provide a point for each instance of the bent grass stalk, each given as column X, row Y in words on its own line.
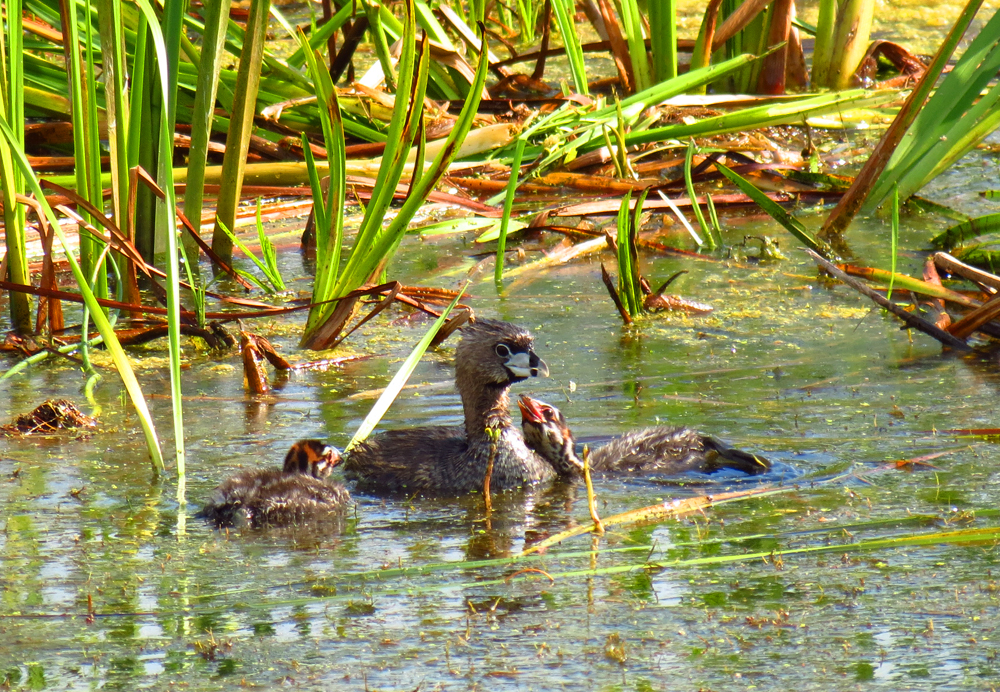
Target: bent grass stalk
column 962, row 537
column 689, row 186
column 402, row 375
column 791, row 224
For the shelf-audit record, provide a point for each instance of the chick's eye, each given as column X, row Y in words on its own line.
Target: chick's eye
column 502, row 351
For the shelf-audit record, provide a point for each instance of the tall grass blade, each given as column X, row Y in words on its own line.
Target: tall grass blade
column 168, row 216
column 402, row 375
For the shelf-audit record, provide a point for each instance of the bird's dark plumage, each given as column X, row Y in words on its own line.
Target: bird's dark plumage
column 652, row 451
column 491, row 356
column 272, row 497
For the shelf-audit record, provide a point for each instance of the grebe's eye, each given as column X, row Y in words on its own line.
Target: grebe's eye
column 502, row 350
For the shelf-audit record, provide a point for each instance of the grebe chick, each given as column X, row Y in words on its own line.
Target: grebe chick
column 443, row 460
column 272, row 497
column 652, row 451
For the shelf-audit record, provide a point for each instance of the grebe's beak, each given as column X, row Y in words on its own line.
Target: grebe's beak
column 526, row 364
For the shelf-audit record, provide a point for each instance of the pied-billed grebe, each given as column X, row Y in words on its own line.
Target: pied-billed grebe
column 444, row 460
column 275, row 497
column 653, row 451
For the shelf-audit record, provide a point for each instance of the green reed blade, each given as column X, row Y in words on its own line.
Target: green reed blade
column 380, row 41
column 894, row 243
column 315, row 184
column 167, row 216
column 203, row 115
column 791, row 224
column 689, row 186
column 253, row 258
column 11, row 180
column 269, row 258
column 564, row 11
column 329, row 216
column 100, row 321
column 386, row 242
column 508, row 203
column 663, row 39
column 84, row 133
column 764, row 116
column 398, row 381
column 626, row 270
column 633, row 29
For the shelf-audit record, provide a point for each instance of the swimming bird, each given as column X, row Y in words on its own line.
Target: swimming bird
column 452, row 460
column 660, row 450
column 273, row 497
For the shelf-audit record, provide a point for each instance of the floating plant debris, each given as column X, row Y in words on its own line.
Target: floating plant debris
column 52, row 415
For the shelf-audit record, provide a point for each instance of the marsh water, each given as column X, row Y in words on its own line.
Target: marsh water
column 109, row 583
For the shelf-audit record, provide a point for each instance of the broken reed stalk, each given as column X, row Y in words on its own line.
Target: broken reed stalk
column 952, row 265
column 591, row 496
column 911, row 320
column 253, row 365
column 613, row 292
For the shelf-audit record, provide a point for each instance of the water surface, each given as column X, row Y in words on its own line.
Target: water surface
column 416, row 592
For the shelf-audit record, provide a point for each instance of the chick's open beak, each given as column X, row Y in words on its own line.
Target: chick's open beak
column 530, row 410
